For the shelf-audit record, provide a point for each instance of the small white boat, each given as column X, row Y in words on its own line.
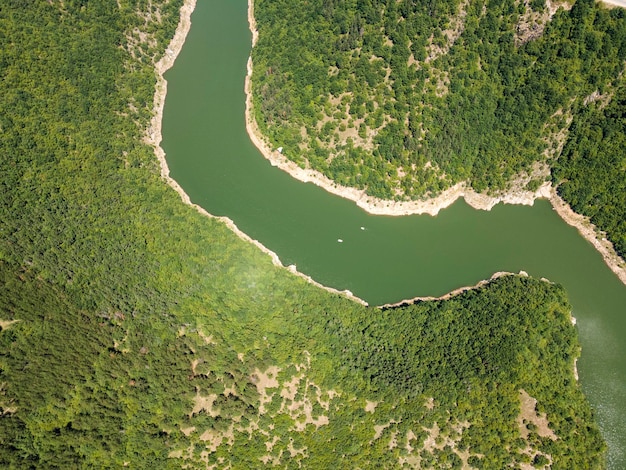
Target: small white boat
column 340, row 240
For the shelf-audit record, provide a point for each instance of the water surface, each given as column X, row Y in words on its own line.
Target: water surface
column 381, row 259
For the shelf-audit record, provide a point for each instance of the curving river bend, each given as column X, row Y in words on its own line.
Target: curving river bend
column 380, row 259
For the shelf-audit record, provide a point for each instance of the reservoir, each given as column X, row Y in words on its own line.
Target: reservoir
column 380, row 259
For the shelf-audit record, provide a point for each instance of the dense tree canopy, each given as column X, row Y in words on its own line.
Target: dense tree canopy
column 591, row 172
column 133, row 330
column 369, row 92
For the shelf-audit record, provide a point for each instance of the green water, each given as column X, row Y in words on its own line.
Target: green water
column 391, row 258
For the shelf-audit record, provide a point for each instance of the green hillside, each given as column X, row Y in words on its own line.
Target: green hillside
column 591, row 171
column 404, row 99
column 136, row 332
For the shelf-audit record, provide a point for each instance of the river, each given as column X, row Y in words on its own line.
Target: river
column 380, row 259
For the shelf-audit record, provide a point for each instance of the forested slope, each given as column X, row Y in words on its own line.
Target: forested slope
column 591, row 171
column 136, row 332
column 403, row 99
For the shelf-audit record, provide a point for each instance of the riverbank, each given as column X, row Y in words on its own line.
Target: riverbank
column 590, row 233
column 153, row 137
column 596, row 298
column 371, row 205
column 516, row 195
column 460, row 290
column 615, row 3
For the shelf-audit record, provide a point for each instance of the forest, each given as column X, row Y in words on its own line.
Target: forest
column 404, row 99
column 591, row 171
column 136, row 332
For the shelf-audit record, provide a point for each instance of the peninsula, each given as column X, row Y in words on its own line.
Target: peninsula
column 529, row 183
